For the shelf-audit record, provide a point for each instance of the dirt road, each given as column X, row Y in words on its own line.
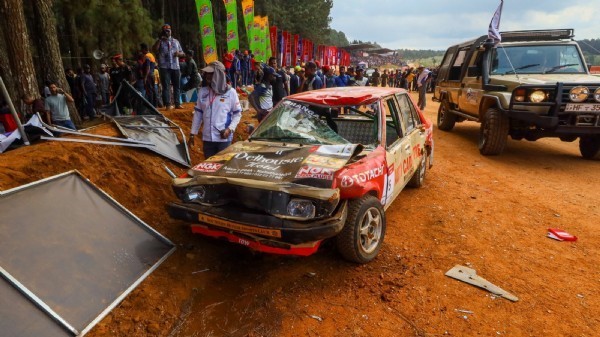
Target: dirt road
column 488, row 213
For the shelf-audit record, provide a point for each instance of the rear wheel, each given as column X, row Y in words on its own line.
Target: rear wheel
column 445, row 118
column 493, row 133
column 418, row 177
column 362, row 236
column 590, row 147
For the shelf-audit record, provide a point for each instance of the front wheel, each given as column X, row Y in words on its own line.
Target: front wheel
column 445, row 118
column 362, row 236
column 493, row 133
column 589, row 146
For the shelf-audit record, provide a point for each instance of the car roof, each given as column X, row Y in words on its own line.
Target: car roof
column 344, row 96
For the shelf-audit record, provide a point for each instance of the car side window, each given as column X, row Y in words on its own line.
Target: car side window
column 407, row 113
column 456, row 68
column 393, row 126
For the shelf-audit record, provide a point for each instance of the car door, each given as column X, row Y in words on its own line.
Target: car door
column 413, row 130
column 470, row 91
column 398, row 150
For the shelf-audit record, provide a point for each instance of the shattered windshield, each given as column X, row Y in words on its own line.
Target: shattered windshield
column 292, row 122
column 537, row 59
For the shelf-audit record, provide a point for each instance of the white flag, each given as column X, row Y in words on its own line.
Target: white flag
column 494, row 30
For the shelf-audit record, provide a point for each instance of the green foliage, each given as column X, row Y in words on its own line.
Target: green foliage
column 309, row 18
column 591, row 51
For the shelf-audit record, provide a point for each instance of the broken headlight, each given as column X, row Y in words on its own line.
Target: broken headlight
column 300, row 208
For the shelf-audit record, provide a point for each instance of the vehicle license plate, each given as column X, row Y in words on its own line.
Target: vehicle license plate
column 587, row 107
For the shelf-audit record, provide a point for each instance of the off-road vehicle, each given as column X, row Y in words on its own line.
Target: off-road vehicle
column 533, row 84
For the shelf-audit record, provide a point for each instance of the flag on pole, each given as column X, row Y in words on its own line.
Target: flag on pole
column 494, row 29
column 207, row 30
column 248, row 12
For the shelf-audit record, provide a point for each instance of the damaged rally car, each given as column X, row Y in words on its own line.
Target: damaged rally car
column 323, row 164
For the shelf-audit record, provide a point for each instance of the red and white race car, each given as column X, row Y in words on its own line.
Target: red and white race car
column 323, row 164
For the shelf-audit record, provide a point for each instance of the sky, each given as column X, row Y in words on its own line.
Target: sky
column 438, row 24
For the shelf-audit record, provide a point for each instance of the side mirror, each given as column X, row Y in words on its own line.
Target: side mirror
column 473, row 71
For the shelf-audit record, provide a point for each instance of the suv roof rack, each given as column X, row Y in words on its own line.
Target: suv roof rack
column 538, row 35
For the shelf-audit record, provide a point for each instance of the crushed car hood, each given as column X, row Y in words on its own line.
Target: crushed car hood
column 274, row 163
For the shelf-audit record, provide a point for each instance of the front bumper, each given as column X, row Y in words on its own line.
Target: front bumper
column 260, row 226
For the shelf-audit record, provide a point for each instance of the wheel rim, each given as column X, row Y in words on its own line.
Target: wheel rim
column 441, row 113
column 483, row 134
column 371, row 226
column 423, row 167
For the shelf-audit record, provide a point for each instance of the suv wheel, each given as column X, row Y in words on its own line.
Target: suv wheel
column 361, row 238
column 445, row 118
column 419, row 176
column 590, row 147
column 493, row 133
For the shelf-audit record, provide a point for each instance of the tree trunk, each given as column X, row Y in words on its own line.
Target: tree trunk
column 6, row 70
column 17, row 47
column 49, row 49
column 71, row 29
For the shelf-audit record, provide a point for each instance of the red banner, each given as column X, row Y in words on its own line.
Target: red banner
column 288, row 49
column 273, row 36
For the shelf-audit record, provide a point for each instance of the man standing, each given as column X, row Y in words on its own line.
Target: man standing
column 422, row 86
column 56, row 106
column 375, row 78
column 311, row 81
column 245, row 66
column 89, row 91
column 359, row 79
column 262, row 96
column 218, row 110
column 193, row 81
column 280, row 85
column 103, row 84
column 294, row 79
column 149, row 80
column 384, row 78
column 169, row 50
column 343, row 78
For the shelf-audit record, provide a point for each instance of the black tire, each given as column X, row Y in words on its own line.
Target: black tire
column 418, row 177
column 493, row 133
column 445, row 118
column 362, row 236
column 589, row 146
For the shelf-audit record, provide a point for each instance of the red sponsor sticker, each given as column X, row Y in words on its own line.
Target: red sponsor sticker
column 208, row 167
column 315, row 173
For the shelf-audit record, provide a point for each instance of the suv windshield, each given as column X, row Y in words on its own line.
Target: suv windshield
column 537, row 59
column 296, row 123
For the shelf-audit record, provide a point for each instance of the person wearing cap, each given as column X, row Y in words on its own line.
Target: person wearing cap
column 311, row 80
column 359, row 79
column 169, row 51
column 217, row 110
column 422, row 86
column 103, row 84
column 261, row 98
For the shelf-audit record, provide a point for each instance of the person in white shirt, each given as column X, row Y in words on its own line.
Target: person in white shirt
column 217, row 110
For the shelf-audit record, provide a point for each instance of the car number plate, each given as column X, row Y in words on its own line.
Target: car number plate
column 586, row 107
column 238, row 227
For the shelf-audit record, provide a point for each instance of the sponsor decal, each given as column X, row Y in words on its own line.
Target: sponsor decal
column 221, row 157
column 231, row 36
column 330, row 162
column 208, row 50
column 207, row 167
column 361, row 178
column 315, row 173
column 230, row 17
column 206, row 30
column 238, row 227
column 204, row 10
column 248, row 10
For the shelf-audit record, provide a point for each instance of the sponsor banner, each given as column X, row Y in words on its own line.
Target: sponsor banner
column 248, row 13
column 207, row 30
column 303, row 165
column 273, row 40
column 238, row 227
column 233, row 40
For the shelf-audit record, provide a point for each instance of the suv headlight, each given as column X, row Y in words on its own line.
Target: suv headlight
column 195, row 193
column 537, row 96
column 300, row 208
column 579, row 94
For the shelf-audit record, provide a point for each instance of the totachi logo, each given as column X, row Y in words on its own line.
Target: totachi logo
column 361, row 178
column 208, row 167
